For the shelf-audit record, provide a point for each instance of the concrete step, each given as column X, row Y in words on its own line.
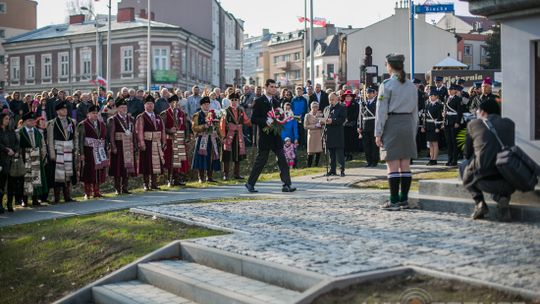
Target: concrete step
column 453, row 188
column 211, row 286
column 135, row 292
column 465, row 207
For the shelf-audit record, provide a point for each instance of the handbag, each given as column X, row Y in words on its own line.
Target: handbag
column 516, row 167
column 17, row 168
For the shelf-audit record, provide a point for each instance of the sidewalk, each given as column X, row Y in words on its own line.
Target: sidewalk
column 308, row 186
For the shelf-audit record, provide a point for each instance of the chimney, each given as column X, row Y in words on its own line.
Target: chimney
column 265, row 31
column 144, row 15
column 125, row 14
column 330, row 29
column 76, row 19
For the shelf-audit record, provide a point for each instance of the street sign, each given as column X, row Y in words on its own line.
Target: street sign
column 434, row 8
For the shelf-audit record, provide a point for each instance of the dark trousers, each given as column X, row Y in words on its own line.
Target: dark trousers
column 262, row 159
column 450, row 134
column 339, row 154
column 496, row 187
column 121, row 183
column 317, row 157
column 370, row 147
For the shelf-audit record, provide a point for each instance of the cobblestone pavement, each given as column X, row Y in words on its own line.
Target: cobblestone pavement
column 343, row 231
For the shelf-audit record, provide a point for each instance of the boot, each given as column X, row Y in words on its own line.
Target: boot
column 117, row 185
column 237, row 171
column 170, row 179
column 226, row 170
column 125, row 185
column 24, row 201
column 480, row 210
column 9, row 203
column 202, row 179
column 503, row 208
column 35, row 201
column 309, row 161
column 153, row 184
column 1, row 202
column 210, row 179
column 317, row 159
column 87, row 191
column 97, row 193
column 57, row 194
column 67, row 193
column 146, row 183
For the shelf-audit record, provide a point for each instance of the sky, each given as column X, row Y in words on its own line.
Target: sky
column 276, row 15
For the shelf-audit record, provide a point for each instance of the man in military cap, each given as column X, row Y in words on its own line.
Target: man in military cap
column 33, row 153
column 366, row 123
column 150, row 137
column 122, row 139
column 440, row 88
column 92, row 135
column 61, row 143
column 422, row 98
column 452, row 115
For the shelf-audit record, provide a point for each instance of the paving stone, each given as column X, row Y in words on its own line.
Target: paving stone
column 342, row 232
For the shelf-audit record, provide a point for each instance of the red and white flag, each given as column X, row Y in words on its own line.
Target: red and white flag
column 99, row 80
column 316, row 21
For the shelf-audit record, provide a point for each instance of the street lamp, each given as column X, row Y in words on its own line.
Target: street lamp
column 98, row 57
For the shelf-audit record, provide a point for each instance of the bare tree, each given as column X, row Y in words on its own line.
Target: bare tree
column 73, row 7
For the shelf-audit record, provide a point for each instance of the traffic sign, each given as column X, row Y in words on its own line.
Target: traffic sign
column 434, row 8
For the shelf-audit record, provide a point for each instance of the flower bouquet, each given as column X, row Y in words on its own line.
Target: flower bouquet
column 276, row 118
column 212, row 120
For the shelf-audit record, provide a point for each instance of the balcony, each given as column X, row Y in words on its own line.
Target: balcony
column 283, row 65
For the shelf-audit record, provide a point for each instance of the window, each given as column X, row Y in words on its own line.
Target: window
column 127, row 59
column 63, row 65
column 2, row 59
column 330, row 70
column 257, row 61
column 276, row 59
column 15, row 68
column 3, row 8
column 287, row 57
column 297, row 56
column 296, row 74
column 483, row 51
column 86, row 62
column 161, row 58
column 317, row 70
column 46, row 66
column 2, row 33
column 276, row 76
column 184, row 62
column 30, row 64
column 467, row 50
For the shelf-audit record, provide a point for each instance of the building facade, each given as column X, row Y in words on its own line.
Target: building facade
column 255, row 59
column 328, row 62
column 11, row 24
column 64, row 56
column 520, row 60
column 391, row 35
column 206, row 19
column 285, row 52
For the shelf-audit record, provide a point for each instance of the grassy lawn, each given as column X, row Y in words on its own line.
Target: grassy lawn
column 41, row 262
column 383, row 183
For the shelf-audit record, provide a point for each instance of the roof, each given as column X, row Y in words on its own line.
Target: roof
column 483, row 23
column 63, row 30
column 473, row 37
column 450, row 62
column 329, row 45
column 287, row 37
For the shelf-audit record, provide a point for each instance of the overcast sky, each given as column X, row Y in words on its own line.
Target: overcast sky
column 277, row 15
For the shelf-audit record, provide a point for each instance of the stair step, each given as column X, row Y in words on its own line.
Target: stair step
column 211, row 286
column 135, row 292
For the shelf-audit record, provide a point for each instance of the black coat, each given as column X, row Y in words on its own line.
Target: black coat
column 481, row 148
column 261, row 107
column 323, row 103
column 8, row 139
column 368, row 125
column 453, row 104
column 335, row 138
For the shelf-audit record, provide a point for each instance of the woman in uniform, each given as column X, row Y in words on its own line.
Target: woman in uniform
column 432, row 125
column 395, row 130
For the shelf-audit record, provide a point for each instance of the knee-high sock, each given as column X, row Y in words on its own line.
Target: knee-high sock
column 393, row 182
column 406, row 179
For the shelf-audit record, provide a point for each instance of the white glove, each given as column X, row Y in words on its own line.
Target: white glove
column 269, row 121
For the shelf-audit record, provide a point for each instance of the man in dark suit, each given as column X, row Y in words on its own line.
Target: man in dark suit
column 481, row 148
column 268, row 142
column 319, row 96
column 335, row 115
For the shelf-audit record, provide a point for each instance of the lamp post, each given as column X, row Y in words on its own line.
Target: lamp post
column 148, row 55
column 98, row 55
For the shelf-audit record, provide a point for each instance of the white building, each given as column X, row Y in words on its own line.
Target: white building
column 252, row 56
column 391, row 35
column 520, row 59
column 326, row 61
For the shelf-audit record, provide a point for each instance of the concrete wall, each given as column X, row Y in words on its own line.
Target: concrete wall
column 449, row 21
column 392, row 35
column 517, row 54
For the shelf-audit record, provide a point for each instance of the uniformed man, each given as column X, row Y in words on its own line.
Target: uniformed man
column 452, row 115
column 440, row 88
column 366, row 128
column 61, row 143
column 92, row 135
column 422, row 98
column 432, row 124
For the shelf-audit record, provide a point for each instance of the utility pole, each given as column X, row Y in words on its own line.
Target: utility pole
column 312, row 59
column 109, row 49
column 305, row 44
column 148, row 49
column 411, row 35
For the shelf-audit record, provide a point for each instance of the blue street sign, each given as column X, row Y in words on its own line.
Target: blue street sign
column 434, row 8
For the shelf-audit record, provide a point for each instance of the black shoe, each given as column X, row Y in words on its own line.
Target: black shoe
column 503, row 214
column 10, row 209
column 1, row 210
column 448, row 164
column 453, row 164
column 342, row 174
column 250, row 188
column 211, row 180
column 69, row 200
column 288, row 188
column 374, row 165
column 239, row 177
column 434, row 163
column 404, row 205
column 36, row 204
column 368, row 165
column 480, row 210
column 331, row 174
column 126, row 192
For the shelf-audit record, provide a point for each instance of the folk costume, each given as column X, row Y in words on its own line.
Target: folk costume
column 234, row 147
column 61, row 144
column 150, row 135
column 33, row 153
column 92, row 137
column 206, row 153
column 175, row 153
column 123, row 144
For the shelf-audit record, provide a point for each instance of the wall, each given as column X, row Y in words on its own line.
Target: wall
column 518, row 79
column 14, row 16
column 432, row 44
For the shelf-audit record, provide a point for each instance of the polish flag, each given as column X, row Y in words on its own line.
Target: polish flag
column 99, row 80
column 316, row 21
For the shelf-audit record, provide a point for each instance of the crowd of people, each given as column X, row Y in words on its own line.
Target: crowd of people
column 51, row 141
